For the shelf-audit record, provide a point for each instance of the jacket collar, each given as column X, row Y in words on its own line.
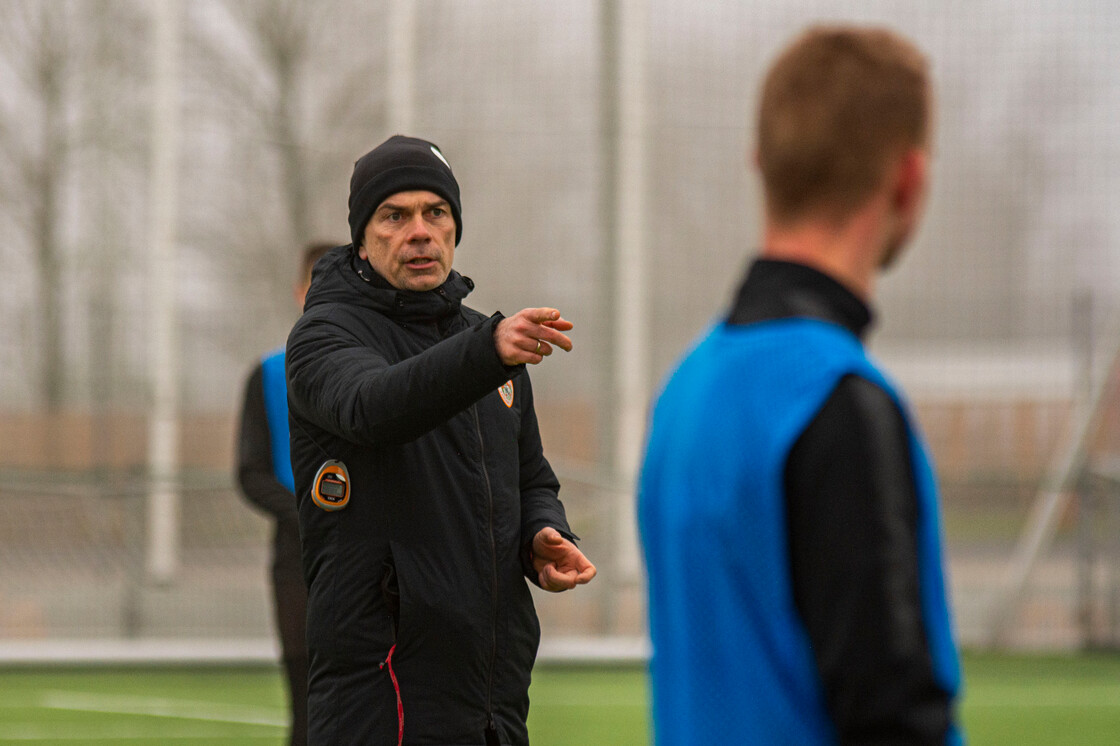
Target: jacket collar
column 776, row 289
column 347, row 279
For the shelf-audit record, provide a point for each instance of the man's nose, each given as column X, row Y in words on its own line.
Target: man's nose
column 418, row 229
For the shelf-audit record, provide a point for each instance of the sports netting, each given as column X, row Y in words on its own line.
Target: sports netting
column 1000, row 321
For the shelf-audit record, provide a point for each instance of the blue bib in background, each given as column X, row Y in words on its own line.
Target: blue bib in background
column 276, row 408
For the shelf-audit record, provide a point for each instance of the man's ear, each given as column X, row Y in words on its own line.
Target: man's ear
column 906, row 185
column 911, row 178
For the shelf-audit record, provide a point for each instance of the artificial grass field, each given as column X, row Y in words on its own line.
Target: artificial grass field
column 1014, row 700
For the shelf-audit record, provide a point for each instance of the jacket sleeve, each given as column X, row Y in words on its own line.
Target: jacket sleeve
column 349, row 388
column 540, row 502
column 852, row 523
column 254, row 455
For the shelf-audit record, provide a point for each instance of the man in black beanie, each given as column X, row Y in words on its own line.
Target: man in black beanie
column 425, row 500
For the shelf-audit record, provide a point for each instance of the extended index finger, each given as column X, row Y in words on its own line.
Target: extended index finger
column 541, row 315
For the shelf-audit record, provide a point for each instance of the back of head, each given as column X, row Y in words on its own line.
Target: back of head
column 836, row 106
column 312, row 252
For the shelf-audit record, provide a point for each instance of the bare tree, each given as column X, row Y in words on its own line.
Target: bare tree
column 111, row 160
column 267, row 80
column 37, row 41
column 272, row 93
column 64, row 60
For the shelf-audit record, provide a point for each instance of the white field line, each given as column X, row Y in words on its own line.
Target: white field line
column 62, row 732
column 122, row 704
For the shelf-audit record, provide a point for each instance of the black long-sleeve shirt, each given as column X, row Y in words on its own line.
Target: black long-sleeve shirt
column 852, row 526
column 258, row 481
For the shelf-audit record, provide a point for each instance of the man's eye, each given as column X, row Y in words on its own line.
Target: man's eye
column 394, row 216
column 437, row 212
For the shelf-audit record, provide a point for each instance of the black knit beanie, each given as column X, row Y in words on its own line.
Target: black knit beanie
column 400, row 164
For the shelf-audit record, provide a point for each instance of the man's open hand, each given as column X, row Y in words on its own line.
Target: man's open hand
column 559, row 564
column 530, row 335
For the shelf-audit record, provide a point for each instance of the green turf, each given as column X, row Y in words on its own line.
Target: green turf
column 1020, row 700
column 588, row 706
column 189, row 707
column 1055, row 700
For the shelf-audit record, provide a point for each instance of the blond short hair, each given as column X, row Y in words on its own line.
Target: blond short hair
column 837, row 104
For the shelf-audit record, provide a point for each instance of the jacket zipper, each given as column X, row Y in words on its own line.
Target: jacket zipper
column 493, row 577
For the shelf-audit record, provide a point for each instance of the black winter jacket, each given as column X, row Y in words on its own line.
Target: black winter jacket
column 448, row 484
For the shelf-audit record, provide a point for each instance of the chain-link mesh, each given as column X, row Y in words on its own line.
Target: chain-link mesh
column 278, row 98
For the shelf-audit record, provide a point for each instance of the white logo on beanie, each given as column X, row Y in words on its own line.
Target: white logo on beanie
column 440, row 156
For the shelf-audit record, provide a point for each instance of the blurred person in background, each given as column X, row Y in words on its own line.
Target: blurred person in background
column 264, row 472
column 788, row 509
column 425, row 499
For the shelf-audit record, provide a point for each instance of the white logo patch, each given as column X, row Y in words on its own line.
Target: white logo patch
column 506, row 392
column 440, row 156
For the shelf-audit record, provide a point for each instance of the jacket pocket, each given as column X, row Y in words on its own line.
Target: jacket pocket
column 444, row 610
column 349, row 620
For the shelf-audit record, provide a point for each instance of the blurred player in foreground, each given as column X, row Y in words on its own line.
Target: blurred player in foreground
column 264, row 472
column 788, row 509
column 425, row 500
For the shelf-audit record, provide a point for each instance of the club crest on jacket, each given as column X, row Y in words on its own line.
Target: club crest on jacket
column 506, row 392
